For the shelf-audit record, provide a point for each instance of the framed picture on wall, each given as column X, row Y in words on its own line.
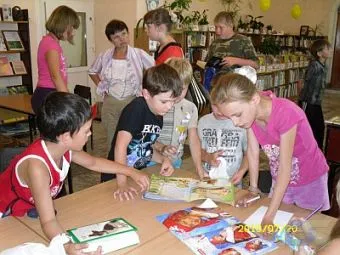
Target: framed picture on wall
column 152, row 4
column 13, row 40
column 304, row 30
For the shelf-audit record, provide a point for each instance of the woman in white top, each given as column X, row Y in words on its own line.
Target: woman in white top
column 118, row 74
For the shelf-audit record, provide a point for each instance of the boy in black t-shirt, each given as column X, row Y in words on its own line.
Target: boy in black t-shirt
column 139, row 126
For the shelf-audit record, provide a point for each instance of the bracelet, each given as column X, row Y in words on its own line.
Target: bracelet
column 254, row 190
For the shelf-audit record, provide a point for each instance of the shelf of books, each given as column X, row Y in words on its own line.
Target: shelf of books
column 15, row 64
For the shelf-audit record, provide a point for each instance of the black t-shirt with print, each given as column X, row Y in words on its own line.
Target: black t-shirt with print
column 144, row 126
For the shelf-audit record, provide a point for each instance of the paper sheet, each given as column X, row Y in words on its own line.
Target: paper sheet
column 281, row 218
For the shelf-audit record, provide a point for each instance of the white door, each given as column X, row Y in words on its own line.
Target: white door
column 80, row 55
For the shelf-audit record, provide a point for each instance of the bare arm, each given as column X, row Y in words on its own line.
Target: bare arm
column 231, row 61
column 195, row 149
column 253, row 154
column 52, row 59
column 287, row 141
column 95, row 78
column 37, row 177
column 122, row 142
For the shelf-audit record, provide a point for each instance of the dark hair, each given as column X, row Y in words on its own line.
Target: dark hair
column 224, row 17
column 162, row 78
column 318, row 46
column 62, row 112
column 61, row 18
column 158, row 17
column 115, row 26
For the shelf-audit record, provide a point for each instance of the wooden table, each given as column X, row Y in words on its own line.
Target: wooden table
column 97, row 204
column 20, row 103
column 13, row 232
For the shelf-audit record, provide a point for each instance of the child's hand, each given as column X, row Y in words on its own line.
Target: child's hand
column 169, row 151
column 202, row 174
column 268, row 224
column 247, row 199
column 212, row 158
column 237, row 177
column 166, row 168
column 141, row 179
column 125, row 192
column 76, row 249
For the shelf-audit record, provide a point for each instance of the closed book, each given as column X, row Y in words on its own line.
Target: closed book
column 111, row 235
column 5, row 67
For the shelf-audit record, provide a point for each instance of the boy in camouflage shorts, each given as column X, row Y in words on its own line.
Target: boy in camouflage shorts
column 235, row 50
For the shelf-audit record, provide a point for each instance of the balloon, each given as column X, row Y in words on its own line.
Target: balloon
column 265, row 5
column 296, row 11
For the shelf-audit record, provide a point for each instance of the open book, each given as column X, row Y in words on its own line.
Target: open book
column 111, row 235
column 189, row 189
column 214, row 232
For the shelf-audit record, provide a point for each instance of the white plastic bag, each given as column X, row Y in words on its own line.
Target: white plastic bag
column 56, row 247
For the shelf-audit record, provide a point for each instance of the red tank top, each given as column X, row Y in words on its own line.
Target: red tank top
column 15, row 197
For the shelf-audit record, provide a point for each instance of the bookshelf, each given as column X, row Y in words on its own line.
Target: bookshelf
column 22, row 27
column 15, row 82
column 284, row 77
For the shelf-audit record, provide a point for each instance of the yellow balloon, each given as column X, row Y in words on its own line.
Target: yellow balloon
column 296, row 11
column 265, row 5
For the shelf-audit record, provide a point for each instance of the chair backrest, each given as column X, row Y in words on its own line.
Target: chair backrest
column 84, row 92
column 7, row 154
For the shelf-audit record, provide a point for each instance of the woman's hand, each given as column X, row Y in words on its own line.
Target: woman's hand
column 77, row 249
column 125, row 192
column 166, row 168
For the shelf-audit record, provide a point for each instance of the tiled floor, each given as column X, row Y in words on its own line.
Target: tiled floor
column 83, row 178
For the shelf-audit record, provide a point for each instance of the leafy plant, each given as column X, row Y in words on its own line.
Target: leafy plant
column 196, row 16
column 232, row 6
column 269, row 46
column 241, row 24
column 269, row 27
column 178, row 5
column 204, row 18
column 254, row 23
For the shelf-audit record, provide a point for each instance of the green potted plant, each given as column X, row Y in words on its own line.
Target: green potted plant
column 242, row 26
column 269, row 29
column 203, row 22
column 269, row 46
column 178, row 6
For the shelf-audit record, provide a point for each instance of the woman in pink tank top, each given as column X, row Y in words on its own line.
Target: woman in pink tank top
column 52, row 74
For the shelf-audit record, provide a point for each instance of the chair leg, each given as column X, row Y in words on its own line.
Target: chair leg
column 69, row 180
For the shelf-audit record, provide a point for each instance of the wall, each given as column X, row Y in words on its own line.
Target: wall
column 106, row 10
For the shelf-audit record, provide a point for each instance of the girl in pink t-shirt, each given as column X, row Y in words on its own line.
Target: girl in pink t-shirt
column 52, row 74
column 298, row 167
